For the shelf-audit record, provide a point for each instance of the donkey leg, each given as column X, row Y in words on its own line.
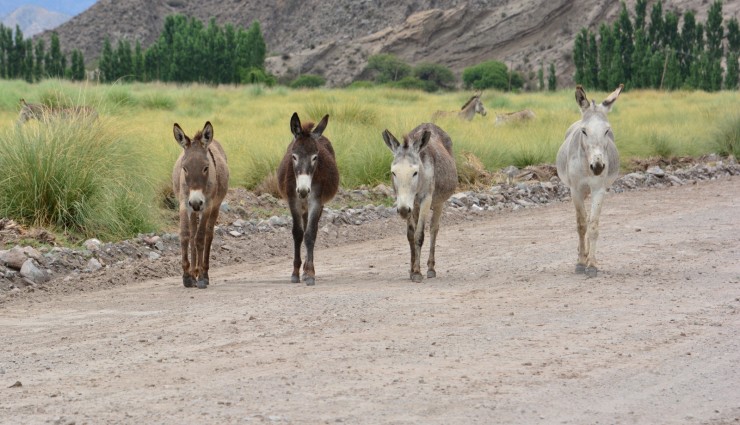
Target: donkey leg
column 297, row 241
column 581, row 222
column 433, row 230
column 200, row 244
column 410, row 232
column 597, row 198
column 203, row 280
column 424, row 207
column 187, row 278
column 314, row 215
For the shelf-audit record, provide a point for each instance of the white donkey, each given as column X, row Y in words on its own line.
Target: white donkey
column 588, row 162
column 424, row 176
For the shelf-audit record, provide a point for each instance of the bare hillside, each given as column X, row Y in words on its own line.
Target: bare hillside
column 334, row 38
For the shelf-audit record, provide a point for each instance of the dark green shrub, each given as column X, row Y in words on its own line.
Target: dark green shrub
column 413, row 83
column 309, row 81
column 385, row 68
column 491, row 74
column 439, row 75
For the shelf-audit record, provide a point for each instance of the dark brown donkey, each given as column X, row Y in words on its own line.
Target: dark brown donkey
column 308, row 178
column 200, row 180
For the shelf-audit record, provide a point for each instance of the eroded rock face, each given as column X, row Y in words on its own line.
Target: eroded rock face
column 334, row 38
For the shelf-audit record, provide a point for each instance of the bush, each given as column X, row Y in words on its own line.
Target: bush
column 385, row 68
column 491, row 74
column 76, row 176
column 727, row 137
column 256, row 76
column 361, row 84
column 413, row 83
column 309, row 81
column 438, row 75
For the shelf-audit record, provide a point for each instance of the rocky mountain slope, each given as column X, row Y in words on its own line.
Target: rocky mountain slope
column 334, row 38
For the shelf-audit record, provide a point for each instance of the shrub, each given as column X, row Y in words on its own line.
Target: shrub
column 413, row 83
column 75, row 176
column 491, row 74
column 361, row 84
column 439, row 75
column 727, row 138
column 385, row 68
column 256, row 76
column 309, row 81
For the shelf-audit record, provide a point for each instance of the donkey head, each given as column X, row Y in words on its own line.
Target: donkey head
column 595, row 131
column 305, row 153
column 479, row 108
column 195, row 164
column 406, row 168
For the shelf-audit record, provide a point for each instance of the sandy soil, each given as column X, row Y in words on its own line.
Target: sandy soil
column 507, row 333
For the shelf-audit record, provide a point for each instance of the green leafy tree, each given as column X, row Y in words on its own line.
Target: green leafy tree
column 55, row 59
column 385, row 68
column 733, row 54
column 436, row 76
column 541, row 77
column 28, row 64
column 552, row 81
column 714, row 48
column 39, row 51
column 106, row 64
column 491, row 74
column 580, row 54
column 607, row 53
column 77, row 68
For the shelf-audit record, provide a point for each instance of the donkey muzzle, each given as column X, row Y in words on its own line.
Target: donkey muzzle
column 196, row 200
column 303, row 185
column 404, row 211
column 597, row 168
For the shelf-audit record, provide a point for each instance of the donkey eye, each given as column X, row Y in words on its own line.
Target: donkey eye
column 393, row 174
column 583, row 130
column 295, row 157
column 205, row 169
column 185, row 170
column 314, row 158
column 416, row 173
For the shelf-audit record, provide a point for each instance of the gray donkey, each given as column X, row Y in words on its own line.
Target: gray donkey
column 424, row 176
column 588, row 162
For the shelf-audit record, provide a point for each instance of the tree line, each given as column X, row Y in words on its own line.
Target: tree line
column 657, row 54
column 24, row 59
column 186, row 51
column 189, row 51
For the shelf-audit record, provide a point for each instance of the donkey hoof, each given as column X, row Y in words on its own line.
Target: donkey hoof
column 417, row 277
column 431, row 273
column 580, row 268
column 295, row 279
column 591, row 271
column 202, row 283
column 309, row 280
column 188, row 281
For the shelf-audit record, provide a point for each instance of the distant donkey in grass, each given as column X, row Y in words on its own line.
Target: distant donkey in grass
column 588, row 162
column 200, row 179
column 473, row 106
column 424, row 176
column 37, row 111
column 308, row 178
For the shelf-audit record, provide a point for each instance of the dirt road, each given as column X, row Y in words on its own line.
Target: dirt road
column 506, row 334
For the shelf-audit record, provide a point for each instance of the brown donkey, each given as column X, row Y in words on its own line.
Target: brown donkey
column 200, row 180
column 308, row 178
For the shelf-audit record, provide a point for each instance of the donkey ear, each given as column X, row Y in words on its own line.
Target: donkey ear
column 23, row 102
column 207, row 137
column 581, row 98
column 609, row 101
column 180, row 136
column 295, row 124
column 422, row 142
column 390, row 140
column 321, row 126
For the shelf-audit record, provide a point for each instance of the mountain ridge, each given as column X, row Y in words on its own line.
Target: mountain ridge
column 334, row 38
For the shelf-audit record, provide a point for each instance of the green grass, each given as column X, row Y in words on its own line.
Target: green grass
column 76, row 177
column 253, row 125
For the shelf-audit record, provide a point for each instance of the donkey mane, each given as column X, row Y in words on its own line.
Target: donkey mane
column 198, row 136
column 468, row 102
